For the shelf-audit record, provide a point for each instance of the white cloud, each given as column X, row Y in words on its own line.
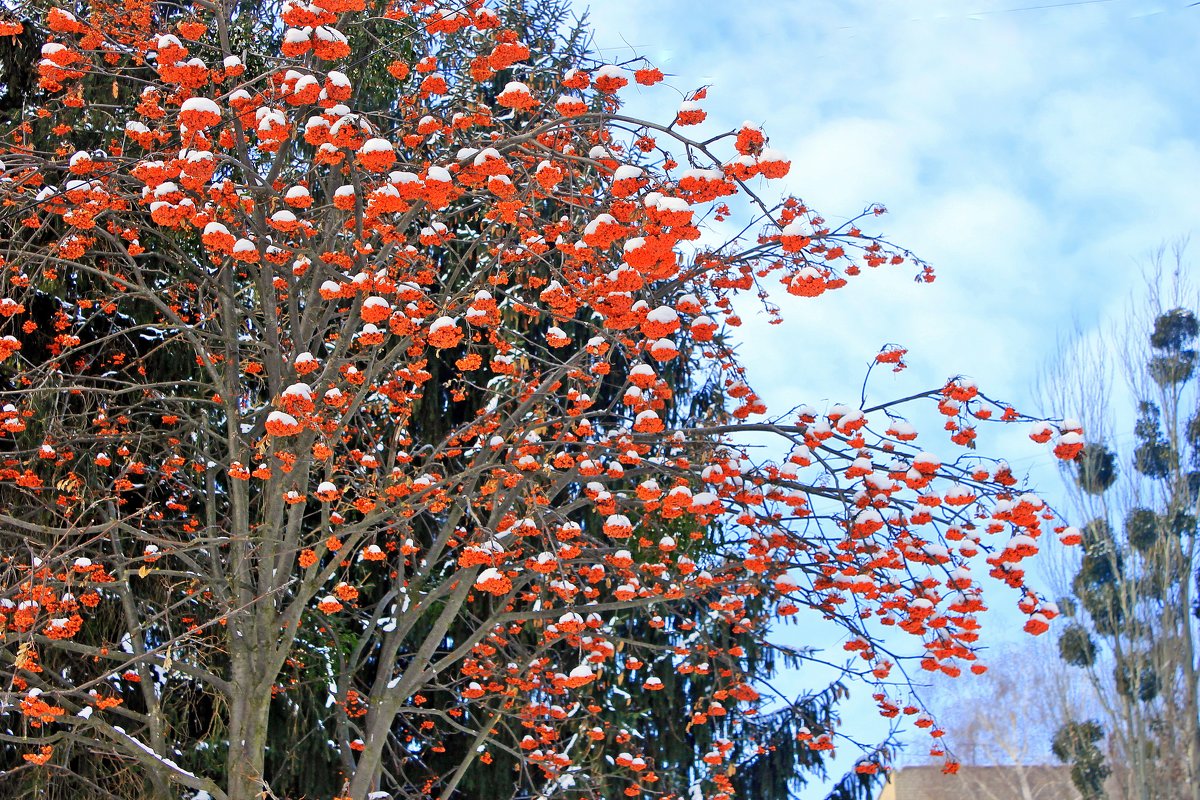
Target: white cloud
column 1029, row 155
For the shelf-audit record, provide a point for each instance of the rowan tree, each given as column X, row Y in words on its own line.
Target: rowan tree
column 373, row 427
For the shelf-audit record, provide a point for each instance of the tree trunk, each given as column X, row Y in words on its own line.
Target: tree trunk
column 249, row 708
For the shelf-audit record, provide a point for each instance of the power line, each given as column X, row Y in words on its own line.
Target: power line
column 1041, row 7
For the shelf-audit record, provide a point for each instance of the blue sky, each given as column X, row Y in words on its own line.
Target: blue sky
column 1033, row 152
